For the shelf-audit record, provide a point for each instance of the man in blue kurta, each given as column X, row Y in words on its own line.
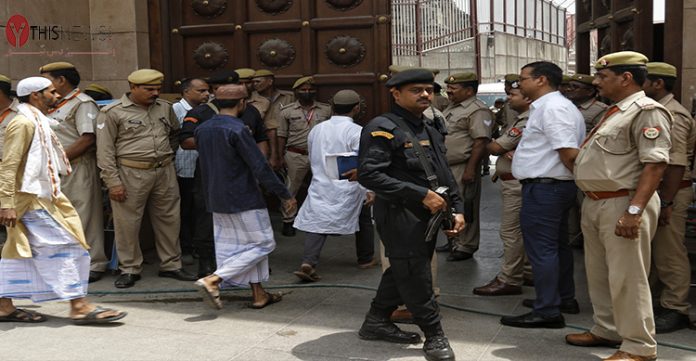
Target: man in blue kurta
column 232, row 168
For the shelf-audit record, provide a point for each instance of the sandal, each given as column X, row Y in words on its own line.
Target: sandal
column 210, row 298
column 91, row 318
column 271, row 298
column 20, row 315
column 307, row 273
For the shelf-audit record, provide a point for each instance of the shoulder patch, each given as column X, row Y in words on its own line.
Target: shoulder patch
column 651, row 132
column 381, row 133
column 191, row 120
column 514, row 132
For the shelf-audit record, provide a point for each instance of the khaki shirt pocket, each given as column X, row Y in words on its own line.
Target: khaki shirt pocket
column 614, row 140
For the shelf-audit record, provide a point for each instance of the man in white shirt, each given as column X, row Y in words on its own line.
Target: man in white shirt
column 543, row 163
column 194, row 91
column 336, row 204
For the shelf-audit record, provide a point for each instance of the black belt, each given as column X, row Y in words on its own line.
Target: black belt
column 544, row 180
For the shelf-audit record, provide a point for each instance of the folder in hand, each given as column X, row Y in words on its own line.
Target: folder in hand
column 346, row 163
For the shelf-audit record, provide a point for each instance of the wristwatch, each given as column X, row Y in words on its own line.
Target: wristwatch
column 634, row 210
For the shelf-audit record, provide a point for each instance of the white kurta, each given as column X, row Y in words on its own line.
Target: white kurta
column 332, row 205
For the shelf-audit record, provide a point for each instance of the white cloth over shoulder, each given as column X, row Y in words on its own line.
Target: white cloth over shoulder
column 554, row 123
column 46, row 160
column 332, row 205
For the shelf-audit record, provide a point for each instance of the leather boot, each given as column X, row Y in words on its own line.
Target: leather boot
column 436, row 346
column 380, row 328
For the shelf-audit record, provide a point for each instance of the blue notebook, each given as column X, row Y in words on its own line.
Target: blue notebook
column 346, row 163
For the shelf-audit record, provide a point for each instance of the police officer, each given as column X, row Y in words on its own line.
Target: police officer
column 583, row 94
column 619, row 167
column 506, row 115
column 76, row 114
column 98, row 92
column 264, row 82
column 136, row 141
column 296, row 120
column 469, row 126
column 512, row 273
column 390, row 166
column 670, row 257
column 246, row 78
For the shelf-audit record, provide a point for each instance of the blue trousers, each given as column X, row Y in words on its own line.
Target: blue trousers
column 544, row 223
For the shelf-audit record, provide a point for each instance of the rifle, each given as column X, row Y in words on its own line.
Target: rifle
column 441, row 219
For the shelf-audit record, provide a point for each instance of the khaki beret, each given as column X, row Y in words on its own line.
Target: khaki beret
column 146, row 77
column 303, row 80
column 231, row 91
column 621, row 58
column 509, row 78
column 4, row 79
column 61, row 65
column 346, row 97
column 566, row 79
column 263, row 72
column 582, row 78
column 245, row 73
column 461, row 78
column 98, row 89
column 411, row 76
column 662, row 69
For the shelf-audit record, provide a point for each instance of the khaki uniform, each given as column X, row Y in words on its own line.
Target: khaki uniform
column 76, row 115
column 278, row 102
column 440, row 102
column 5, row 117
column 617, row 268
column 466, row 121
column 260, row 103
column 670, row 257
column 513, row 269
column 295, row 125
column 135, row 147
column 506, row 116
column 592, row 111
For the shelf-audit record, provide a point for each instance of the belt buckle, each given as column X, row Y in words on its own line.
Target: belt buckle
column 592, row 195
column 158, row 164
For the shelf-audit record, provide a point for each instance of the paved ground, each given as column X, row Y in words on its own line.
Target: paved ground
column 311, row 324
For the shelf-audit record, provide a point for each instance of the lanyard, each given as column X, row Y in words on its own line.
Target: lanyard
column 309, row 116
column 5, row 114
column 613, row 109
column 63, row 102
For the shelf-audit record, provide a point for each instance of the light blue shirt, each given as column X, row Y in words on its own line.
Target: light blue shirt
column 185, row 161
column 554, row 123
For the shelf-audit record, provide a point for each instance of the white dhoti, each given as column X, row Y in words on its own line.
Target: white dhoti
column 58, row 269
column 243, row 242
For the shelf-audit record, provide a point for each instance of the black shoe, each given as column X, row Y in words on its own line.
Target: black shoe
column 179, row 274
column 570, row 307
column 437, row 348
column 95, row 276
column 126, row 280
column 670, row 321
column 375, row 328
column 288, row 229
column 455, row 256
column 533, row 320
column 206, row 267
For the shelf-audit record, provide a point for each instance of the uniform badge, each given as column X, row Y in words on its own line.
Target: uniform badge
column 514, row 132
column 381, row 133
column 191, row 120
column 651, row 133
column 487, row 122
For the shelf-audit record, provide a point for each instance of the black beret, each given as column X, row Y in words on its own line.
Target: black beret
column 410, row 76
column 224, row 77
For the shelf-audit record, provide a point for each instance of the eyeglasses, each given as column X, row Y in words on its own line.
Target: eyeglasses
column 523, row 78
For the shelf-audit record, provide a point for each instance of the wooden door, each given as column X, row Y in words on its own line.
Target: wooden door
column 345, row 44
column 621, row 25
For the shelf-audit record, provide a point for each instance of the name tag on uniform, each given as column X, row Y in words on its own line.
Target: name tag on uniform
column 295, row 118
column 135, row 122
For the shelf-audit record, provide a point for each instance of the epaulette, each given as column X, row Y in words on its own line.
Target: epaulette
column 385, row 123
column 288, row 105
column 114, row 104
column 646, row 103
column 160, row 100
column 84, row 98
column 323, row 104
